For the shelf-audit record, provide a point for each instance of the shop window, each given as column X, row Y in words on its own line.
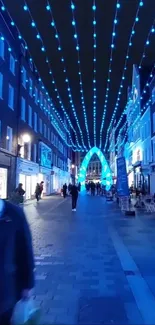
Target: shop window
column 1, row 48
column 11, row 97
column 3, row 183
column 30, row 87
column 23, row 77
column 30, row 116
column 35, row 122
column 1, row 85
column 9, row 134
column 23, row 111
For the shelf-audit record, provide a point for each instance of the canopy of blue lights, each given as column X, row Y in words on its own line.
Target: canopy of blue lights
column 84, row 51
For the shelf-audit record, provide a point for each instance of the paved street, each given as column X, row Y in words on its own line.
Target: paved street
column 94, row 266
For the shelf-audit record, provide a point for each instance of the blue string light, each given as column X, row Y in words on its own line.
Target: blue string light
column 94, row 69
column 140, row 65
column 43, row 49
column 80, row 73
column 53, row 24
column 53, row 119
column 148, row 82
column 123, row 75
column 109, row 70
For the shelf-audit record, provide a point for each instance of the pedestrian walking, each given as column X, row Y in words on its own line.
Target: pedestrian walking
column 37, row 192
column 16, row 259
column 64, row 190
column 20, row 192
column 79, row 187
column 41, row 188
column 74, row 193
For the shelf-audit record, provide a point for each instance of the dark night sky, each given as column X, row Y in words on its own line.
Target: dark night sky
column 84, row 16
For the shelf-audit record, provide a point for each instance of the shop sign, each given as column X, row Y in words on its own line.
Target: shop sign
column 122, row 179
column 43, row 170
column 27, row 167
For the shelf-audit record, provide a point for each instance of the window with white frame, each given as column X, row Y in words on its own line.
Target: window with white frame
column 49, row 112
column 9, row 135
column 40, row 125
column 153, row 95
column 154, row 122
column 30, row 87
column 35, row 122
column 11, row 97
column 34, row 152
column 30, row 116
column 45, row 106
column 45, row 131
column 41, row 100
column 1, row 48
column 36, row 96
column 12, row 64
column 23, row 74
column 1, row 85
column 48, row 134
column 23, row 108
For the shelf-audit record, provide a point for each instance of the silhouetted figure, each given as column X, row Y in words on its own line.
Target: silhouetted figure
column 37, row 192
column 74, row 193
column 64, row 190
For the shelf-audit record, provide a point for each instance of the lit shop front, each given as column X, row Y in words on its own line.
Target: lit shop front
column 45, row 170
column 3, row 182
column 27, row 174
column 7, row 174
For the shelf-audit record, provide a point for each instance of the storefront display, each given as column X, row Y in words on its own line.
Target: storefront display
column 27, row 174
column 3, row 183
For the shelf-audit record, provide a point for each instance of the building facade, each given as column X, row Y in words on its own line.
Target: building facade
column 33, row 142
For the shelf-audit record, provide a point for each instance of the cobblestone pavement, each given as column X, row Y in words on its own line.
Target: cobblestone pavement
column 94, row 266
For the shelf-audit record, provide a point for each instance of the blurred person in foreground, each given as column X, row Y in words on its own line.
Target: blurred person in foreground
column 16, row 260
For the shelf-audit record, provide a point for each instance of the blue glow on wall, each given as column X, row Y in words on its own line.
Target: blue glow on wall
column 106, row 176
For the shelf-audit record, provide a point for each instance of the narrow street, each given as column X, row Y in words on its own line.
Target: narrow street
column 94, row 266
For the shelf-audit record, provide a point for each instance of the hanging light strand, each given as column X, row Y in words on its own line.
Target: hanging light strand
column 127, row 57
column 147, row 43
column 59, row 48
column 115, row 22
column 77, row 46
column 43, row 49
column 94, row 68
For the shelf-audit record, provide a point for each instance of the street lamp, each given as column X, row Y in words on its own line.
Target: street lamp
column 73, row 166
column 26, row 138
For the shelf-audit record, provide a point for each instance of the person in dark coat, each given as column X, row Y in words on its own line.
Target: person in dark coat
column 74, row 194
column 37, row 192
column 64, row 190
column 19, row 190
column 16, row 259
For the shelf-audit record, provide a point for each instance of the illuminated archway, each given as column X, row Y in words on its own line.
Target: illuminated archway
column 106, row 176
